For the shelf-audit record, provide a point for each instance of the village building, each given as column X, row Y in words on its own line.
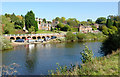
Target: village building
column 85, row 29
column 43, row 25
column 54, row 23
column 96, row 25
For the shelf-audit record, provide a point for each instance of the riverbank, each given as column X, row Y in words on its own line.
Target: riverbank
column 57, row 40
column 5, row 44
column 85, row 37
column 80, row 37
column 107, row 65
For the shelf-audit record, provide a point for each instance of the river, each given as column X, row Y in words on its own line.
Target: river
column 37, row 59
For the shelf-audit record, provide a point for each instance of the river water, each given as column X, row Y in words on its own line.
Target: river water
column 37, row 59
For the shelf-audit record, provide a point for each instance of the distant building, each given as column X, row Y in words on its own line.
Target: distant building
column 85, row 29
column 2, row 27
column 42, row 25
column 96, row 25
column 54, row 23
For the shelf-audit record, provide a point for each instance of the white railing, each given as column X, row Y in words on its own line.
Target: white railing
column 31, row 34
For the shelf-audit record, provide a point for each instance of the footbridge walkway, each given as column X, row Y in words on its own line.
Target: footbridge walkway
column 33, row 36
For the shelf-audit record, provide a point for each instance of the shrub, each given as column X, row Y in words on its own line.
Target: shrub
column 81, row 36
column 87, row 55
column 70, row 36
column 5, row 44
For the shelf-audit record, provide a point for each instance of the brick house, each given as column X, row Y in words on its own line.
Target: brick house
column 42, row 25
column 85, row 29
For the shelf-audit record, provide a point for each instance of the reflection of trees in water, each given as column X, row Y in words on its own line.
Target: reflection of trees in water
column 51, row 45
column 43, row 46
column 70, row 44
column 58, row 45
column 31, row 57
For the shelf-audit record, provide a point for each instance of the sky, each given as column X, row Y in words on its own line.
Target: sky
column 49, row 10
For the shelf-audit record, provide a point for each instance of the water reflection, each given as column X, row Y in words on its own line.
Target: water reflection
column 30, row 57
column 36, row 59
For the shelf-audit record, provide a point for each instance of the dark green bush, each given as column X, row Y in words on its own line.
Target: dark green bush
column 70, row 36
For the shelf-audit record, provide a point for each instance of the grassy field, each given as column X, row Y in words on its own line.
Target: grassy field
column 107, row 65
column 43, row 31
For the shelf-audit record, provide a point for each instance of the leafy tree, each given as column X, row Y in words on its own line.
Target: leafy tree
column 101, row 20
column 60, row 25
column 32, row 29
column 114, row 28
column 105, row 30
column 94, row 27
column 57, row 19
column 30, row 21
column 7, row 15
column 63, row 19
column 87, row 55
column 72, row 22
column 111, row 31
column 112, row 43
column 89, row 21
column 66, row 28
column 56, row 28
column 114, row 24
column 81, row 36
column 51, row 28
column 14, row 18
column 8, row 26
column 36, row 26
column 83, row 22
column 19, row 24
column 44, row 20
column 20, row 17
column 109, row 23
column 70, row 36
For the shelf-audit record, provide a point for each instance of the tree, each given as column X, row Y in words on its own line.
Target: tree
column 87, row 55
column 8, row 26
column 70, row 36
column 101, row 20
column 81, row 36
column 109, row 23
column 51, row 29
column 66, row 28
column 32, row 29
column 114, row 24
column 14, row 18
column 44, row 20
column 114, row 28
column 105, row 30
column 30, row 21
column 63, row 19
column 60, row 25
column 112, row 43
column 83, row 22
column 89, row 21
column 36, row 26
column 72, row 22
column 7, row 15
column 57, row 19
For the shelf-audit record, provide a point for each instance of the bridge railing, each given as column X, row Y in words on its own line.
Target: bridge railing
column 31, row 34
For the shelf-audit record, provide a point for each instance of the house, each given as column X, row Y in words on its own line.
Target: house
column 54, row 23
column 42, row 25
column 96, row 25
column 85, row 29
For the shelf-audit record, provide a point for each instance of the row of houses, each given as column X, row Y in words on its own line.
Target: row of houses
column 86, row 29
column 47, row 26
